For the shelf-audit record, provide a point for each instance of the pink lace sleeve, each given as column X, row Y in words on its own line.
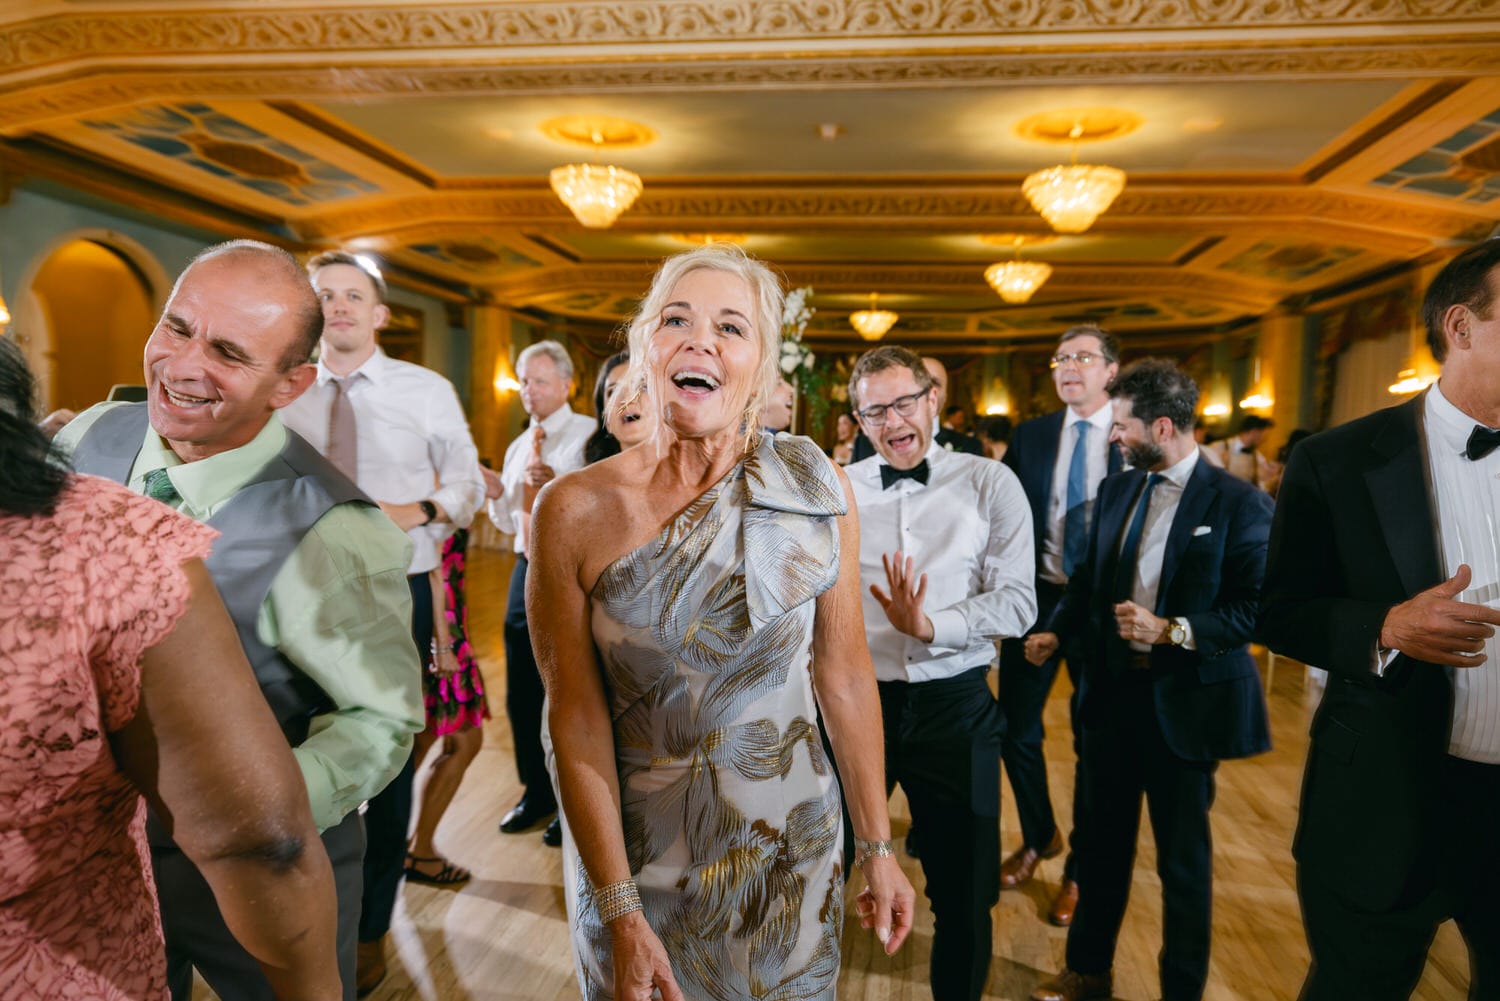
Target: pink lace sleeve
column 137, row 588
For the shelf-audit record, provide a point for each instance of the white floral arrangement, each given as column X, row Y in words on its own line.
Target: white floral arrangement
column 796, row 358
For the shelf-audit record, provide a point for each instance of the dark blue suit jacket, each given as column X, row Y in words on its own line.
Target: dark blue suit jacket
column 1208, row 701
column 1032, row 456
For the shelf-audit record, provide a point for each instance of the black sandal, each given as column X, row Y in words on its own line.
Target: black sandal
column 448, row 875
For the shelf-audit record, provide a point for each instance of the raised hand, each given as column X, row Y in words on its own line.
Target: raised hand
column 903, row 605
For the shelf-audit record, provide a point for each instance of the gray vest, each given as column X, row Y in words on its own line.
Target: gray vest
column 259, row 529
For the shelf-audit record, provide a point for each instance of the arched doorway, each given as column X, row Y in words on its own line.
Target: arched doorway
column 95, row 309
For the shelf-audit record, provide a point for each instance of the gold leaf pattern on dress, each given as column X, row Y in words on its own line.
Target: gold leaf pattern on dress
column 704, row 635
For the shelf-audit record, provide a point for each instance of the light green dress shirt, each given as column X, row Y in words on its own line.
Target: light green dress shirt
column 340, row 610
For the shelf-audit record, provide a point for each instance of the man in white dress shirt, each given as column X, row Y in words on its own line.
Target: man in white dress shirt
column 398, row 431
column 1384, row 569
column 946, row 551
column 551, row 446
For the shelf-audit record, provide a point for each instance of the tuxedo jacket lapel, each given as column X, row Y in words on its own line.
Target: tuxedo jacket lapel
column 1399, row 488
column 1197, row 497
column 1110, row 512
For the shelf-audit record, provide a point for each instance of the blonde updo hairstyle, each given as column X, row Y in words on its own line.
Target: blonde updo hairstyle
column 765, row 291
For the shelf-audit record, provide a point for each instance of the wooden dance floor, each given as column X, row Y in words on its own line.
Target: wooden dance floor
column 504, row 934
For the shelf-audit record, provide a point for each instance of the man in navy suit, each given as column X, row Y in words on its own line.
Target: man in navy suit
column 1060, row 459
column 1165, row 601
column 1383, row 570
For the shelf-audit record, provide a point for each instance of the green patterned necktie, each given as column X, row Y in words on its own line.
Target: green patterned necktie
column 159, row 487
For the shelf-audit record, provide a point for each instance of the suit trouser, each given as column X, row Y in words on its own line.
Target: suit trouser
column 1024, row 688
column 1126, row 758
column 524, row 694
column 198, row 937
column 388, row 815
column 1380, row 956
column 942, row 744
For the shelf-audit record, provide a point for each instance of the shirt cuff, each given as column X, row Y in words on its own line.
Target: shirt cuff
column 1188, row 642
column 320, row 793
column 1382, row 660
column 949, row 629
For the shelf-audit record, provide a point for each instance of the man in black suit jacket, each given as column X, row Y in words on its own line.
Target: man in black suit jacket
column 1401, row 797
column 1165, row 602
column 1064, row 453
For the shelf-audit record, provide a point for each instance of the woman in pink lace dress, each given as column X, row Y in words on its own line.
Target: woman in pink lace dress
column 120, row 674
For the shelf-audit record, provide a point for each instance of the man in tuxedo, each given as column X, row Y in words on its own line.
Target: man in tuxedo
column 1165, row 602
column 945, row 437
column 945, row 556
column 1383, row 568
column 1060, row 459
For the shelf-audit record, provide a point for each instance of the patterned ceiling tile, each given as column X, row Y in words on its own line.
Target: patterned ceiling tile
column 209, row 140
column 1282, row 262
column 1464, row 167
column 481, row 256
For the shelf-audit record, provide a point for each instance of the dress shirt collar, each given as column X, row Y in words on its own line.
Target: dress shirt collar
column 373, row 368
column 556, row 421
column 1447, row 426
column 206, row 484
column 1100, row 419
column 1179, row 472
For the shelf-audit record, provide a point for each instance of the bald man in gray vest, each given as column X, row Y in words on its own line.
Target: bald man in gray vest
column 313, row 574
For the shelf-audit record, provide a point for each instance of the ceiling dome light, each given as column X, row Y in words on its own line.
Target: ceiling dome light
column 873, row 323
column 1017, row 281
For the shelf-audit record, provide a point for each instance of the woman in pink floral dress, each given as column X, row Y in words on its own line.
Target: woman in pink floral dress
column 120, row 674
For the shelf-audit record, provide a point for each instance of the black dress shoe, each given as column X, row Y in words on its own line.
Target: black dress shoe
column 552, row 836
column 526, row 815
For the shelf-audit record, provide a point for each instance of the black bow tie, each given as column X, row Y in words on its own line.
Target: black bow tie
column 919, row 472
column 1482, row 441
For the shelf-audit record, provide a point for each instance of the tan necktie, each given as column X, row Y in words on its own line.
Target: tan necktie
column 343, row 437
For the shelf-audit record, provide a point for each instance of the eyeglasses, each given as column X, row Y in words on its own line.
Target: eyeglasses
column 904, row 405
column 1083, row 359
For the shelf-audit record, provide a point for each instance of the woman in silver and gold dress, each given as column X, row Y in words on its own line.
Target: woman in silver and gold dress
column 691, row 595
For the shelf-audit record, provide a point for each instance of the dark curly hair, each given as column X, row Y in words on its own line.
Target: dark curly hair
column 31, row 477
column 1156, row 388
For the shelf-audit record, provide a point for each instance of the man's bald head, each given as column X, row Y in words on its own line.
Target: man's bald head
column 282, row 279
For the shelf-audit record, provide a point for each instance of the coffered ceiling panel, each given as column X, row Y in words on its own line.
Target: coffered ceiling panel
column 1283, row 152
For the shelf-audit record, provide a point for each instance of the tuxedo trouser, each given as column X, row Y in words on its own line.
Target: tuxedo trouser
column 1380, row 956
column 388, row 815
column 198, row 937
column 1024, row 688
column 1127, row 758
column 942, row 744
column 524, row 695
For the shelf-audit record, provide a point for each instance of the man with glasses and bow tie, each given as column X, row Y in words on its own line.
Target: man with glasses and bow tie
column 946, row 553
column 1060, row 460
column 1383, row 569
column 1163, row 602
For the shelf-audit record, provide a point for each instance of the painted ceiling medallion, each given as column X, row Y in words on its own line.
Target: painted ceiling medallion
column 598, row 131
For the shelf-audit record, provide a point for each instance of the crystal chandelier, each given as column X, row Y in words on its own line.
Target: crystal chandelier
column 1017, row 281
column 873, row 323
column 1071, row 197
column 595, row 193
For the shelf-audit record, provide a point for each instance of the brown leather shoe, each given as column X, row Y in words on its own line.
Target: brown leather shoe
column 1064, row 905
column 1071, row 986
column 369, row 966
column 1022, row 864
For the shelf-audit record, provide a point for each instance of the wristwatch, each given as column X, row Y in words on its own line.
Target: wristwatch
column 1176, row 632
column 429, row 511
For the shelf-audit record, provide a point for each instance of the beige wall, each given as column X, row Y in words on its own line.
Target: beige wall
column 99, row 313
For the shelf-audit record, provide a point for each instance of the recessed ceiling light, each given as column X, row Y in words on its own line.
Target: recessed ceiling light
column 830, row 131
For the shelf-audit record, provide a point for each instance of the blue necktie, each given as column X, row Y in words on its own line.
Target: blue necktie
column 1125, row 569
column 1075, row 511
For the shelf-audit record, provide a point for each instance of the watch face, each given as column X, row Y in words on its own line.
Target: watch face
column 1177, row 634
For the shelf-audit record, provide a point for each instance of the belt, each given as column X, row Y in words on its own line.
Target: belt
column 1138, row 661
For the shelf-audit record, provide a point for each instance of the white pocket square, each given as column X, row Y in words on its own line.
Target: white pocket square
column 1202, row 530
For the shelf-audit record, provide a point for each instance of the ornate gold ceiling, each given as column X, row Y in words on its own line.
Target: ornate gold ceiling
column 1288, row 149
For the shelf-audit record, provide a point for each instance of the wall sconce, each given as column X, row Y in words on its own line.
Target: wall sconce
column 1260, row 397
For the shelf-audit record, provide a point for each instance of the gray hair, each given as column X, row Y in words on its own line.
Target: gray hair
column 553, row 350
column 765, row 291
